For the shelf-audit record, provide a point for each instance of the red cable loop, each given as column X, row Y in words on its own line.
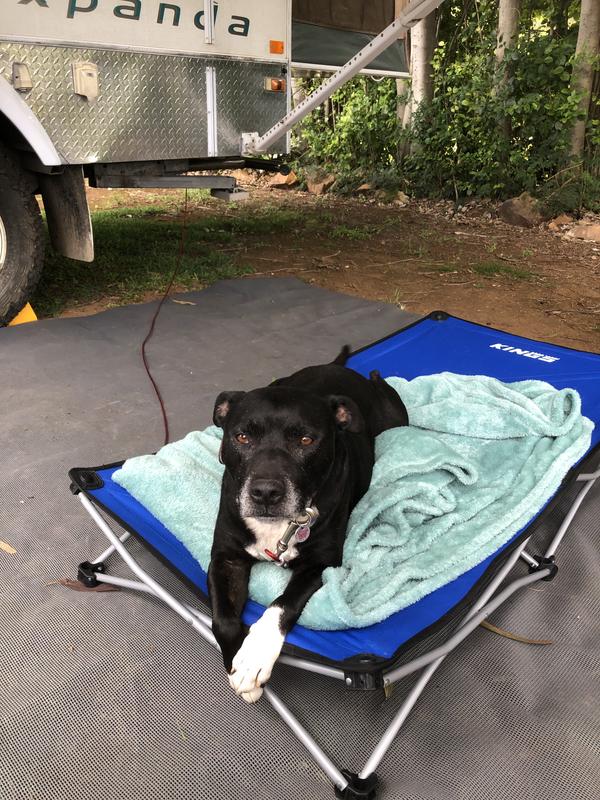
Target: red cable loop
column 157, row 312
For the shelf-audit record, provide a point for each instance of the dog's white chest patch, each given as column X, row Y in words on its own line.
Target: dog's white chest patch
column 267, row 533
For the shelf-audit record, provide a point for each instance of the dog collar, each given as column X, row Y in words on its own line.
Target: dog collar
column 300, row 527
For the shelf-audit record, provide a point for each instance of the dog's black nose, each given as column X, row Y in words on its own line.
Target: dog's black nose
column 268, row 492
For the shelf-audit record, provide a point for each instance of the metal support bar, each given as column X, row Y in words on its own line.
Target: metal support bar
column 110, row 550
column 212, row 134
column 301, row 67
column 154, row 587
column 123, row 181
column 529, row 559
column 570, row 514
column 392, row 730
column 292, row 661
column 196, row 621
column 590, row 476
column 414, row 12
column 209, row 21
column 431, row 660
column 468, row 626
column 317, row 753
column 465, row 629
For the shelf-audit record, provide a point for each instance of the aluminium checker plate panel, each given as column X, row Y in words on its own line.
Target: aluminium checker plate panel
column 149, row 107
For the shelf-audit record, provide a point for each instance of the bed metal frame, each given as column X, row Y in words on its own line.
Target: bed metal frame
column 348, row 785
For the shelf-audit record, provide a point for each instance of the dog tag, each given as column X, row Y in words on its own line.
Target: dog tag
column 302, row 533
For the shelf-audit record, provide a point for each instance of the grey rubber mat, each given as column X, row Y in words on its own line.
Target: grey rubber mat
column 111, row 695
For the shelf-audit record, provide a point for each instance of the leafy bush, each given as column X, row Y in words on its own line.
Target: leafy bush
column 355, row 133
column 571, row 190
column 462, row 149
column 486, row 132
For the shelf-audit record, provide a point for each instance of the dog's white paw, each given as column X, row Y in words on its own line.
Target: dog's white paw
column 253, row 696
column 254, row 661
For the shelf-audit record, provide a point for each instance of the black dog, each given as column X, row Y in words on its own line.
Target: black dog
column 298, row 456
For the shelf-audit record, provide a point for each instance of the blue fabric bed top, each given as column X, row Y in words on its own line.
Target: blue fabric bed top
column 436, row 344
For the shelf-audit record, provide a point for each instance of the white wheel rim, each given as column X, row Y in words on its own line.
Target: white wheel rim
column 3, row 244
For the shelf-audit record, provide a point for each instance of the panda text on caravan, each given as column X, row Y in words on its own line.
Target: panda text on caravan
column 165, row 13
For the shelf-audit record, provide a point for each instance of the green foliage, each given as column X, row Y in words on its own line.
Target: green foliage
column 571, row 190
column 488, row 131
column 355, row 133
column 495, row 269
column 345, row 232
column 494, row 131
column 137, row 249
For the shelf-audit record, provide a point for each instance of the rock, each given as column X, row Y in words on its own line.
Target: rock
column 401, row 199
column 365, row 187
column 279, row 181
column 556, row 223
column 319, row 185
column 587, row 231
column 523, row 210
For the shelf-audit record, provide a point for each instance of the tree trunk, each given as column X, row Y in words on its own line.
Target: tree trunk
column 508, row 31
column 422, row 45
column 508, row 26
column 588, row 40
column 403, row 84
column 594, row 160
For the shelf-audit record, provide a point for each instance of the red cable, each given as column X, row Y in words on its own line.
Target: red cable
column 157, row 312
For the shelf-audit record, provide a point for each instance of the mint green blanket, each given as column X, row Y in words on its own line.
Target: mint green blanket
column 478, row 460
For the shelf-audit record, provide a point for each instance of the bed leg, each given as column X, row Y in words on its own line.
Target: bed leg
column 86, row 573
column 358, row 788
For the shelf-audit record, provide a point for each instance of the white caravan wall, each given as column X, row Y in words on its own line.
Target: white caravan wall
column 243, row 28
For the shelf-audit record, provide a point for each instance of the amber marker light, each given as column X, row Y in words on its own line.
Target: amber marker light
column 276, row 47
column 275, row 84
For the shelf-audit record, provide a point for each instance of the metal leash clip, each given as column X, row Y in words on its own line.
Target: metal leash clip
column 301, row 527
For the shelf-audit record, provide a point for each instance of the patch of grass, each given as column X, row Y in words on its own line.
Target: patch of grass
column 397, row 299
column 137, row 249
column 319, row 223
column 357, row 233
column 447, row 268
column 490, row 269
column 269, row 219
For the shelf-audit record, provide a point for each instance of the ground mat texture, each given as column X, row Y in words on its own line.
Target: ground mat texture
column 112, row 695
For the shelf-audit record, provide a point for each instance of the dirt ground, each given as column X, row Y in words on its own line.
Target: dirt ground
column 422, row 257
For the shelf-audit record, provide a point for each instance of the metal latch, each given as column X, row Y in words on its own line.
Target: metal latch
column 85, row 79
column 21, row 77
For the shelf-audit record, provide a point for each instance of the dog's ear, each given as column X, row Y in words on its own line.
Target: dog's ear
column 223, row 405
column 347, row 414
column 342, row 356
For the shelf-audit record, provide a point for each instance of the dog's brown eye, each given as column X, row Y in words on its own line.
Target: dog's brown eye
column 242, row 438
column 306, row 440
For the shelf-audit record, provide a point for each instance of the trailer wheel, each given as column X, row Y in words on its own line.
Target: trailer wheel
column 21, row 236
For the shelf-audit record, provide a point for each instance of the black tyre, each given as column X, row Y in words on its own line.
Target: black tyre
column 21, row 236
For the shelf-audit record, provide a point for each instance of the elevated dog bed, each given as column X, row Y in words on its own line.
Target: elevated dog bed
column 376, row 656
